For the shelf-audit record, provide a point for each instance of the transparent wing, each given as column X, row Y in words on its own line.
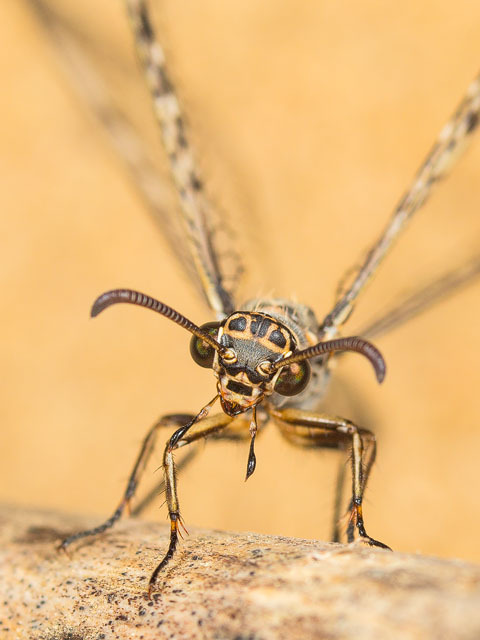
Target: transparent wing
column 194, row 234
column 415, row 303
column 193, row 203
column 448, row 148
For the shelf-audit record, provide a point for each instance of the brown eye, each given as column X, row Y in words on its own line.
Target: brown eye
column 200, row 350
column 293, row 379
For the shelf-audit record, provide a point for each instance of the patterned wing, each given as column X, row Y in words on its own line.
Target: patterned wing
column 450, row 145
column 193, row 203
column 195, row 236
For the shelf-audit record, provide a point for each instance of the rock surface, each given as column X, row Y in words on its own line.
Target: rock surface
column 222, row 585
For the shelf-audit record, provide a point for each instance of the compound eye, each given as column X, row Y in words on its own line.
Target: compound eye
column 293, row 379
column 201, row 351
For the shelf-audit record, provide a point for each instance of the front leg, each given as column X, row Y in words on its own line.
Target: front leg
column 316, row 430
column 146, row 450
column 181, row 437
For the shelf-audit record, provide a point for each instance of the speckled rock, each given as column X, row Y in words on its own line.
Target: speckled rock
column 223, row 586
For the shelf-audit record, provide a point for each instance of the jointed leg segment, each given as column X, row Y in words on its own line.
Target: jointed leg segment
column 308, row 429
column 190, row 429
column 146, row 450
column 203, row 429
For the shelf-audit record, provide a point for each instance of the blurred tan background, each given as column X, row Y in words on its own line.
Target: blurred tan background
column 310, row 119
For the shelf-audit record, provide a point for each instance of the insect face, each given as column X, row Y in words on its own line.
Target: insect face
column 255, row 341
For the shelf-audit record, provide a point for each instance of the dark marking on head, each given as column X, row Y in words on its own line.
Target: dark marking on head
column 254, row 376
column 255, row 337
column 238, row 387
column 264, row 326
column 235, row 369
column 278, row 338
column 472, row 121
column 238, row 324
column 259, row 326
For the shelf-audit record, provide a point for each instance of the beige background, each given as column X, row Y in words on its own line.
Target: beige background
column 310, row 119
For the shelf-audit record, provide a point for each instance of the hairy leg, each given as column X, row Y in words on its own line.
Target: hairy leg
column 317, row 430
column 146, row 450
